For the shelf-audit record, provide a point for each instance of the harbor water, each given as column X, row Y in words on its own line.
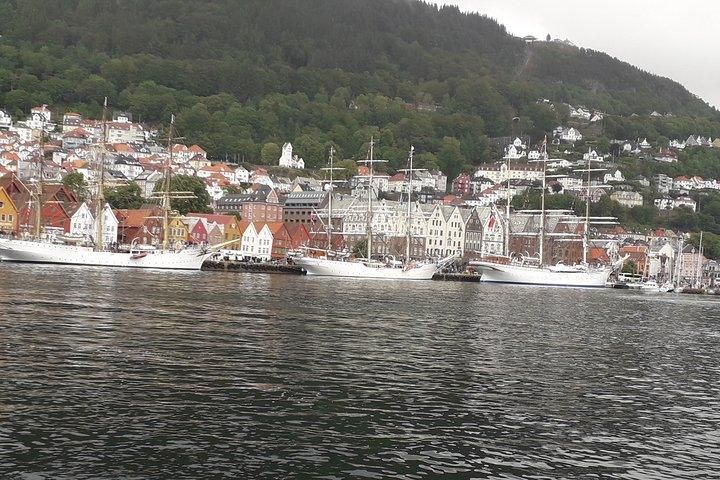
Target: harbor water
column 132, row 374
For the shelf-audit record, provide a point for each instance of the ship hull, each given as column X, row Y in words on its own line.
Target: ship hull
column 42, row 252
column 357, row 269
column 541, row 276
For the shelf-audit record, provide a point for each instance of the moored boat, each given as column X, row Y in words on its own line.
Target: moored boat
column 163, row 256
column 517, row 273
column 332, row 264
column 521, row 271
column 29, row 251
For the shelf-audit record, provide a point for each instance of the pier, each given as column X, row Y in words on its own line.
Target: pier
column 235, row 266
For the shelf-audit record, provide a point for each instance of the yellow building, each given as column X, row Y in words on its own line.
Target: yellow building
column 8, row 213
column 178, row 231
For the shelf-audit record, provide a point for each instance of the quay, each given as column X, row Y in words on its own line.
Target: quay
column 457, row 277
column 237, row 266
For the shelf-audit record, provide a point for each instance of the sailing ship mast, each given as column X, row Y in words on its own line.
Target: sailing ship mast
column 543, row 159
column 329, row 226
column 41, row 175
column 166, row 187
column 368, row 228
column 101, row 185
column 586, row 233
column 698, row 272
column 508, row 197
column 167, row 193
column 409, row 211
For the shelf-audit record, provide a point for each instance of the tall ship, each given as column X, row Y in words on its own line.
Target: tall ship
column 163, row 256
column 338, row 264
column 520, row 270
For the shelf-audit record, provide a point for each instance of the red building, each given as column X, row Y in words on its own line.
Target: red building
column 461, row 185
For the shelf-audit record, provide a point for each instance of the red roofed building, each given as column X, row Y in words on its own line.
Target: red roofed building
column 282, row 240
column 638, row 256
column 141, row 226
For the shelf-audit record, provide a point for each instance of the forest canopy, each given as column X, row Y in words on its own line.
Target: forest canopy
column 244, row 76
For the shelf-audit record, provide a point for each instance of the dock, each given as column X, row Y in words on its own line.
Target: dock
column 457, row 277
column 236, row 266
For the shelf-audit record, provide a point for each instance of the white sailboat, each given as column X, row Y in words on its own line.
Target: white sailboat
column 328, row 264
column 522, row 271
column 139, row 256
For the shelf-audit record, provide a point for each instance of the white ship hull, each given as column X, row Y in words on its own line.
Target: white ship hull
column 542, row 276
column 45, row 252
column 359, row 269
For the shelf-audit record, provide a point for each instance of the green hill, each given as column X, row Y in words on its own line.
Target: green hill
column 244, row 76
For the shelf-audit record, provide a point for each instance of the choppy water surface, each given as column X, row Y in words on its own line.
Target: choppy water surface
column 140, row 374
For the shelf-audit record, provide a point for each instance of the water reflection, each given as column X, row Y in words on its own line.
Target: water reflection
column 139, row 374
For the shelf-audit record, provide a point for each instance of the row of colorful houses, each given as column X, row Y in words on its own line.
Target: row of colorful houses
column 63, row 214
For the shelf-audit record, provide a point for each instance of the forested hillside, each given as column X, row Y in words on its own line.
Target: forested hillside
column 245, row 77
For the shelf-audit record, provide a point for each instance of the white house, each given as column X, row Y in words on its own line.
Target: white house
column 663, row 183
column 261, row 176
column 493, row 241
column 5, row 120
column 218, row 169
column 446, row 232
column 667, row 156
column 249, row 244
column 614, row 175
column 109, row 226
column 492, row 195
column 666, row 202
column 128, row 166
column 684, row 201
column 572, row 182
column 215, row 190
column 125, row 132
column 40, row 118
column 23, row 131
column 557, row 163
column 242, row 175
column 81, row 222
column 682, row 183
column 287, row 159
column 627, row 198
column 580, row 112
column 515, row 150
column 571, row 135
column 592, row 155
column 84, row 223
column 264, row 243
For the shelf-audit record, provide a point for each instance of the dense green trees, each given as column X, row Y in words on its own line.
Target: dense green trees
column 188, row 194
column 76, row 182
column 125, row 196
column 242, row 77
column 245, row 77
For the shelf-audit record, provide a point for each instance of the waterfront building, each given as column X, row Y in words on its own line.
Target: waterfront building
column 260, row 204
column 8, row 213
column 140, row 226
column 281, row 240
column 303, row 207
column 446, row 232
column 228, row 225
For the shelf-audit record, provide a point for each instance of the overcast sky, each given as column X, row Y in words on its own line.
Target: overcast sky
column 677, row 40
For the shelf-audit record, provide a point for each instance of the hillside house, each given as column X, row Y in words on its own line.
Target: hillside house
column 627, row 199
column 570, row 135
column 5, row 120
